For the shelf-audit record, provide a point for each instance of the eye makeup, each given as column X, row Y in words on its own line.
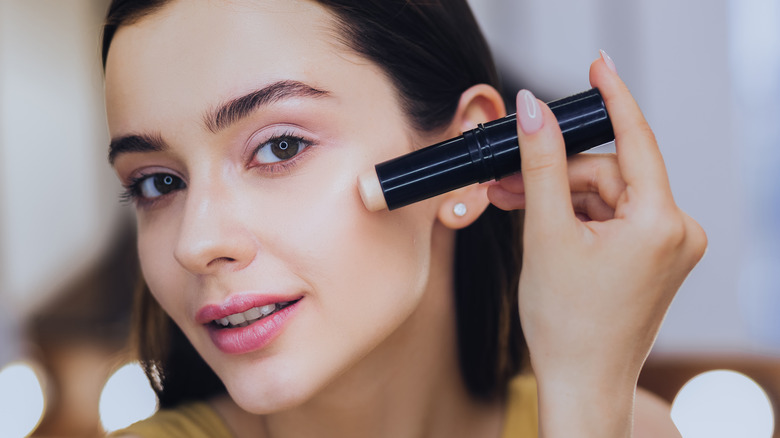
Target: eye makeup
column 273, row 154
column 280, row 148
column 276, row 149
column 490, row 151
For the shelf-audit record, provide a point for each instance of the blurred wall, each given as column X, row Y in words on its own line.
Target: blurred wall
column 57, row 194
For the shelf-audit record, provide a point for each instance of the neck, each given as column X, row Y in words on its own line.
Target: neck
column 410, row 386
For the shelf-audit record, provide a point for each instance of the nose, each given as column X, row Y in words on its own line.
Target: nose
column 211, row 236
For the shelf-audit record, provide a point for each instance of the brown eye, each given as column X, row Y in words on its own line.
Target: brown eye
column 159, row 184
column 280, row 149
column 284, row 149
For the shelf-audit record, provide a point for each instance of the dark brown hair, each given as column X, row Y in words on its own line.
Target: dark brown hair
column 432, row 51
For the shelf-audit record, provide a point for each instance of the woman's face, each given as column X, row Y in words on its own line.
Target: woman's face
column 242, row 127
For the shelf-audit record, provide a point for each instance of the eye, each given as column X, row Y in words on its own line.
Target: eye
column 159, row 184
column 151, row 187
column 281, row 148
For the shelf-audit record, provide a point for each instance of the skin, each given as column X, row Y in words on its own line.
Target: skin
column 372, row 344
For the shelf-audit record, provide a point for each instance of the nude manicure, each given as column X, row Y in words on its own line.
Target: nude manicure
column 608, row 60
column 529, row 114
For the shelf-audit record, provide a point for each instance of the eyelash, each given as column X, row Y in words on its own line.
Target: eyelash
column 133, row 192
column 281, row 166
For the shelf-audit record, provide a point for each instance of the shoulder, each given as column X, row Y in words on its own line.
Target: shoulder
column 652, row 417
column 189, row 420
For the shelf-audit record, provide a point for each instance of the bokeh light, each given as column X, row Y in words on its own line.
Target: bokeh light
column 723, row 404
column 126, row 398
column 21, row 400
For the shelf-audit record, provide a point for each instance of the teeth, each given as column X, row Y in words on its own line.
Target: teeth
column 245, row 318
column 253, row 313
column 236, row 318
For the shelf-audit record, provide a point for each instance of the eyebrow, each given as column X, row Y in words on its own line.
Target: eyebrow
column 236, row 109
column 134, row 143
column 220, row 118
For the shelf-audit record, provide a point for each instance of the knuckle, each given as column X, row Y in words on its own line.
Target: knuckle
column 674, row 233
column 664, row 229
column 671, row 231
column 697, row 240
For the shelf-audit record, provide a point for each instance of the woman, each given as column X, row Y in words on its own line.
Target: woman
column 239, row 129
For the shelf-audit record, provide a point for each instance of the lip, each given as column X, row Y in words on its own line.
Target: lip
column 253, row 337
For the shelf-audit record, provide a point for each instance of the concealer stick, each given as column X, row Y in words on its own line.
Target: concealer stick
column 488, row 152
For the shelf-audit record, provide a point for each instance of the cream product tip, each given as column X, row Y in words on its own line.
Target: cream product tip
column 371, row 191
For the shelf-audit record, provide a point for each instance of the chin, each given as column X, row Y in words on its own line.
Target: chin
column 262, row 391
column 269, row 402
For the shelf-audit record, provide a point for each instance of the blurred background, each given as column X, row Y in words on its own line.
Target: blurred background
column 705, row 72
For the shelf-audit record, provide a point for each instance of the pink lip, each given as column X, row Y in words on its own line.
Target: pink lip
column 253, row 337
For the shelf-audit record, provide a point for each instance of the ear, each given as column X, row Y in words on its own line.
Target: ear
column 479, row 104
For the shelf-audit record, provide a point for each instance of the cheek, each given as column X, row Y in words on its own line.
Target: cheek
column 161, row 272
column 378, row 259
column 367, row 271
column 365, row 274
column 371, row 264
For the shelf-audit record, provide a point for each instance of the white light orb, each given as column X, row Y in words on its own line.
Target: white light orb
column 723, row 404
column 126, row 398
column 21, row 400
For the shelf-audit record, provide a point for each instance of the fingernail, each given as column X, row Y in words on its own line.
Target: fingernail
column 529, row 115
column 608, row 60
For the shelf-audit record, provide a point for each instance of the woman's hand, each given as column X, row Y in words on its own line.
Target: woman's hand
column 597, row 279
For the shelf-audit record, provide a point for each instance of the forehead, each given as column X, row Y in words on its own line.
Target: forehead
column 194, row 53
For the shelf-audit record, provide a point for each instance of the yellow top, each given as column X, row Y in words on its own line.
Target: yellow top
column 188, row 420
column 522, row 409
column 199, row 420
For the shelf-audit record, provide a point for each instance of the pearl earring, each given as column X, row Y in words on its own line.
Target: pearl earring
column 459, row 209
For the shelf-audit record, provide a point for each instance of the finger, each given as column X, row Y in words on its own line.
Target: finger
column 505, row 199
column 513, row 183
column 546, row 183
column 595, row 177
column 598, row 173
column 591, row 205
column 639, row 158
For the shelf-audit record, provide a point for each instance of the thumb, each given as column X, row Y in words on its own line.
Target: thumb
column 543, row 155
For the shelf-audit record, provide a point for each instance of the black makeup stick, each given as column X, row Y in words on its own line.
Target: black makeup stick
column 488, row 152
